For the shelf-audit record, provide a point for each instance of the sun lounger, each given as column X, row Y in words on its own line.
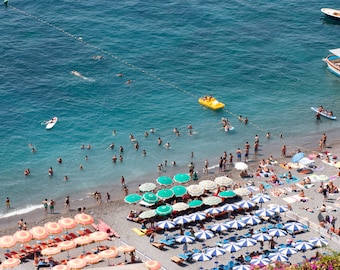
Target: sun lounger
column 167, row 242
column 158, row 245
column 102, row 226
column 139, row 232
column 177, row 260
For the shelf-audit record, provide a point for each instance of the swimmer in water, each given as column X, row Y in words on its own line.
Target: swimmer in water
column 119, row 75
column 76, row 73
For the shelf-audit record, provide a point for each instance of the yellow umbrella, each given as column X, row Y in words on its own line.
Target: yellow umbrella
column 84, row 219
column 53, row 227
column 22, row 236
column 76, row 263
column 10, row 263
column 39, row 232
column 92, row 258
column 7, row 241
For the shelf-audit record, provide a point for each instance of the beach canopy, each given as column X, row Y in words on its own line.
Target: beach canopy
column 236, row 224
column 198, row 216
column 213, row 210
column 164, row 210
column 223, row 181
column 182, row 220
column 279, row 208
column 277, row 257
column 297, row 157
column 227, row 194
column 147, row 214
column 195, row 203
column 165, row 194
column 219, row 227
column 10, row 263
column 179, row 191
column 207, row 184
column 84, row 219
column 92, row 258
column 133, row 198
column 229, row 207
column 150, row 197
column 212, row 200
column 318, row 242
column 50, row 251
column 164, row 180
column 39, row 232
column 261, row 261
column 195, row 190
column 23, row 236
column 262, row 237
column 7, row 241
column 185, row 239
column 147, row 187
column 76, row 263
column 66, row 223
column 245, row 204
column 204, row 234
column 201, row 257
column 303, row 245
column 241, row 166
column 247, row 242
column 277, row 232
column 264, row 213
column 166, row 224
column 55, row 227
column 294, row 226
column 260, row 198
column 242, row 267
column 182, row 178
column 153, row 265
column 215, row 251
column 251, row 220
column 180, row 206
column 288, row 251
column 232, row 247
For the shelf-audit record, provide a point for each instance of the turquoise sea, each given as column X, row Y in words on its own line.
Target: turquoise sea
column 262, row 58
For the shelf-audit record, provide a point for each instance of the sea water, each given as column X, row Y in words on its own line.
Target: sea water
column 263, row 62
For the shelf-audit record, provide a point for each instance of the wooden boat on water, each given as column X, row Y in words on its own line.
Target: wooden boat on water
column 211, row 102
column 333, row 61
column 331, row 13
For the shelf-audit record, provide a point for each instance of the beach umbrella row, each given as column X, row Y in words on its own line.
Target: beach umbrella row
column 223, row 181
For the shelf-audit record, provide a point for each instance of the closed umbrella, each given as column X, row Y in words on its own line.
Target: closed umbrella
column 213, row 210
column 245, row 204
column 77, row 263
column 179, row 191
column 231, row 247
column 318, row 242
column 297, row 157
column 236, row 224
column 215, row 251
column 150, row 197
column 147, row 214
column 180, row 206
column 182, row 178
column 133, row 198
column 195, row 203
column 242, row 191
column 54, row 227
column 262, row 237
column 219, row 227
column 165, row 194
column 84, row 219
column 7, row 241
column 185, row 239
column 164, row 180
column 201, row 257
column 39, row 232
column 23, row 236
column 212, row 200
column 10, row 263
column 204, row 234
column 223, row 181
column 50, row 251
column 65, row 223
column 251, row 220
column 227, row 194
column 147, row 187
column 288, row 251
column 166, row 224
column 182, row 220
column 229, row 207
column 278, row 257
column 195, row 190
column 277, row 232
column 264, row 213
column 207, row 184
column 303, row 245
column 164, row 210
column 198, row 216
column 241, row 166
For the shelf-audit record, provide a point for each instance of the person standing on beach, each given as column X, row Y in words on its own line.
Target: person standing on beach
column 108, row 197
column 238, row 154
column 8, row 203
column 283, row 151
column 206, row 165
column 324, row 139
column 122, row 181
column 52, row 204
column 45, row 203
column 20, row 224
column 67, row 203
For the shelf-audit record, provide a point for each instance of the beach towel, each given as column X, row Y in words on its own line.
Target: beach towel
column 277, row 192
column 253, row 188
column 265, row 174
column 301, row 199
column 266, row 185
column 139, row 232
column 290, row 199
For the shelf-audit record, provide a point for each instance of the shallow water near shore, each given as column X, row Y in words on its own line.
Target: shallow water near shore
column 263, row 63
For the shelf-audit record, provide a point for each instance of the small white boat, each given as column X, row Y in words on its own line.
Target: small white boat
column 324, row 113
column 50, row 123
column 331, row 13
column 333, row 61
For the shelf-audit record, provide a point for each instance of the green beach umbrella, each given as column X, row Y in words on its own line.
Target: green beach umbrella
column 165, row 194
column 195, row 203
column 133, row 198
column 150, row 197
column 227, row 194
column 182, row 178
column 147, row 214
column 179, row 191
column 212, row 200
column 147, row 187
column 164, row 210
column 164, row 180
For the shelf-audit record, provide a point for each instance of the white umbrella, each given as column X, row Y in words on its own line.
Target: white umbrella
column 288, row 251
column 166, row 224
column 294, row 226
column 204, row 234
column 198, row 216
column 236, row 224
column 223, row 181
column 147, row 214
column 303, row 245
column 251, row 220
column 241, row 166
column 277, row 232
column 261, row 261
column 201, row 257
column 247, row 242
column 242, row 191
column 182, row 220
column 180, row 206
column 219, row 227
column 264, row 213
column 185, row 239
column 207, row 184
column 212, row 200
column 245, row 204
column 279, row 208
column 318, row 242
column 231, row 247
column 215, row 251
column 147, row 187
column 262, row 237
column 195, row 190
column 213, row 210
column 229, row 207
column 278, row 257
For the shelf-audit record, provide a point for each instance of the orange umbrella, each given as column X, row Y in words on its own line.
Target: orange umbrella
column 60, row 267
column 39, row 232
column 153, row 265
column 92, row 258
column 83, row 240
column 23, row 236
column 10, row 263
column 76, row 263
column 7, row 241
column 84, row 219
column 98, row 236
column 67, row 223
column 53, row 227
column 126, row 249
column 108, row 253
column 50, row 251
column 67, row 245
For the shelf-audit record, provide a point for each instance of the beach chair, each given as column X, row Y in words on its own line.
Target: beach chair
column 158, row 245
column 177, row 260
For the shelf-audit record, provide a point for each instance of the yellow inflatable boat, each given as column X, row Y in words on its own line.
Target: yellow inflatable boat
column 211, row 102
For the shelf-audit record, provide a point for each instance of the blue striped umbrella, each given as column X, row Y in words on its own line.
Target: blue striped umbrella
column 288, row 251
column 261, row 261
column 264, row 213
column 166, row 224
column 278, row 257
column 262, row 237
column 318, row 242
column 245, row 204
column 204, row 234
column 247, row 242
column 182, row 220
column 219, row 227
column 277, row 232
column 251, row 220
column 185, row 239
column 261, row 198
column 303, row 246
column 279, row 208
column 213, row 210
column 215, row 251
column 229, row 207
column 242, row 267
column 236, row 224
column 231, row 247
column 201, row 257
column 293, row 226
column 198, row 216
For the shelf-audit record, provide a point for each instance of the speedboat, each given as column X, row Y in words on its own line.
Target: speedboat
column 333, row 61
column 211, row 102
column 331, row 13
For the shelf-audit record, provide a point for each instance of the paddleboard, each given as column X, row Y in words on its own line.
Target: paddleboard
column 324, row 113
column 50, row 124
